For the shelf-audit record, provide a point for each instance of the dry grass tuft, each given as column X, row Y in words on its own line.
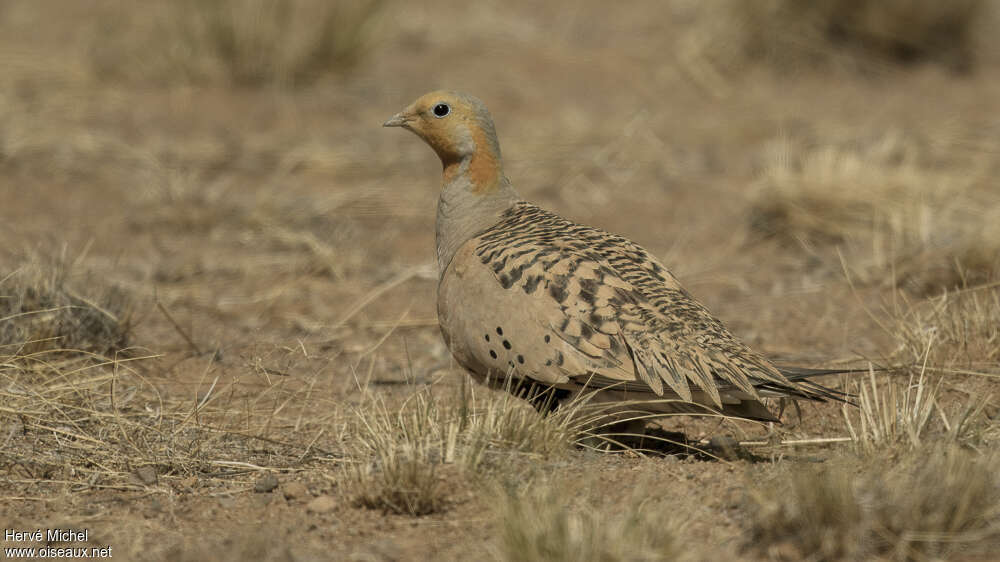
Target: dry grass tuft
column 65, row 382
column 405, row 453
column 935, row 502
column 261, row 42
column 813, row 512
column 78, row 412
column 895, row 416
column 41, row 310
column 93, row 423
column 553, row 522
column 922, row 483
column 951, row 343
column 899, row 209
column 858, row 34
column 956, row 330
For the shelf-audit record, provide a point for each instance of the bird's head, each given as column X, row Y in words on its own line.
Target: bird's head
column 456, row 125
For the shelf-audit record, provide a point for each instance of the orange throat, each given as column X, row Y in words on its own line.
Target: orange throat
column 482, row 169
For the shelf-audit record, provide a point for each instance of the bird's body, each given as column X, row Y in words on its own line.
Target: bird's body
column 528, row 295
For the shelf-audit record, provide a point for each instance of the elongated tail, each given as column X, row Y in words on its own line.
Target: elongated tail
column 813, row 390
column 807, row 390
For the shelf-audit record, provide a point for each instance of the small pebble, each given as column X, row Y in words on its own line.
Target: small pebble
column 321, row 504
column 266, row 483
column 726, row 447
column 146, row 475
column 294, row 490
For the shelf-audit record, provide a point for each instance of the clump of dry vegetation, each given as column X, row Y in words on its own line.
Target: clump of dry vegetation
column 40, row 310
column 405, row 454
column 921, row 481
column 811, row 512
column 261, row 42
column 956, row 330
column 555, row 521
column 77, row 410
column 950, row 345
column 900, row 208
column 409, row 459
column 937, row 501
column 60, row 363
column 894, row 414
column 859, row 34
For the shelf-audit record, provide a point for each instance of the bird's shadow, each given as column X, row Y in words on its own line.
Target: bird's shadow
column 657, row 442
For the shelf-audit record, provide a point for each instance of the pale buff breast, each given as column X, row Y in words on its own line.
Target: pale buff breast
column 494, row 331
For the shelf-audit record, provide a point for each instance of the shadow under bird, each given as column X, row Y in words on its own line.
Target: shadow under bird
column 528, row 296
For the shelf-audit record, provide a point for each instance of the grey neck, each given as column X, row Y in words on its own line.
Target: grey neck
column 463, row 213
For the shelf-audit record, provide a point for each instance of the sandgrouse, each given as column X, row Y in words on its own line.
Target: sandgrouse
column 526, row 295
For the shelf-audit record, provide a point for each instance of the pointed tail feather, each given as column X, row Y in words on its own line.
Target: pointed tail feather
column 812, row 390
column 800, row 373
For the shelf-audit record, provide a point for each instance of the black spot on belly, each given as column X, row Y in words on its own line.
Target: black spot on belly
column 499, row 331
column 487, row 336
column 506, row 344
column 520, row 359
column 559, row 358
column 493, row 354
column 547, row 338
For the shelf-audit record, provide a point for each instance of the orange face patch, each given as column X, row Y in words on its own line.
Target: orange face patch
column 449, row 136
column 482, row 170
column 484, row 167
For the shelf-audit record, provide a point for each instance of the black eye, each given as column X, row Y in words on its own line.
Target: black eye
column 441, row 109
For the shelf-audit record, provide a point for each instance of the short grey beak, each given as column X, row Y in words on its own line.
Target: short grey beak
column 398, row 120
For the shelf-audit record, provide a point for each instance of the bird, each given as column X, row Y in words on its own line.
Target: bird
column 565, row 309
